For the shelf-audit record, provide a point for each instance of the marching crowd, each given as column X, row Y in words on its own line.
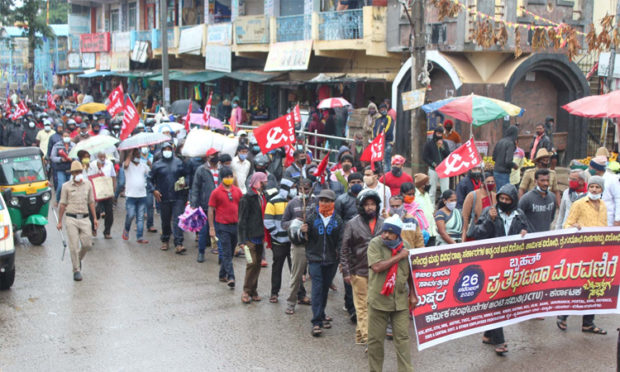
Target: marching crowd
column 352, row 218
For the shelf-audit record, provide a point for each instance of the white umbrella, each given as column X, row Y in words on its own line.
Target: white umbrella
column 143, row 139
column 172, row 126
column 333, row 103
column 95, row 144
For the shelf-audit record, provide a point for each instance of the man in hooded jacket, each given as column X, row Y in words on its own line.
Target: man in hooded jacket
column 503, row 155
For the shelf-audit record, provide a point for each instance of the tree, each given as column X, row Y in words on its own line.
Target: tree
column 58, row 11
column 35, row 29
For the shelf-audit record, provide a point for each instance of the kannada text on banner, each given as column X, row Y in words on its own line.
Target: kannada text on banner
column 476, row 286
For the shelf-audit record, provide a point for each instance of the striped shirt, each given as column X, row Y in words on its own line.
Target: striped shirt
column 273, row 219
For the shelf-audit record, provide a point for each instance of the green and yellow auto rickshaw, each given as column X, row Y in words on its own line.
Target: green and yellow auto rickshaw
column 26, row 191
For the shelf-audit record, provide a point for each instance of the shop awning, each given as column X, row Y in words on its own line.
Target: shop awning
column 252, row 76
column 171, row 76
column 65, row 72
column 200, row 77
column 95, row 74
column 137, row 74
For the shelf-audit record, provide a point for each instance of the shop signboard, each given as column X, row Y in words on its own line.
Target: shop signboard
column 91, row 43
column 121, row 42
column 190, row 40
column 289, row 56
column 103, row 62
column 220, row 34
column 413, row 99
column 140, row 51
column 74, row 61
column 252, row 30
column 218, row 58
column 89, row 60
column 119, row 61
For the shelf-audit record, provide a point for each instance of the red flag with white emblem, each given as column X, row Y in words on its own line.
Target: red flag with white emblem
column 117, row 101
column 206, row 114
column 20, row 111
column 277, row 133
column 460, row 160
column 374, row 152
column 130, row 119
column 189, row 114
column 50, row 101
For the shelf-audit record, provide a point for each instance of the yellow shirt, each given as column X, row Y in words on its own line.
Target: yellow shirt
column 584, row 212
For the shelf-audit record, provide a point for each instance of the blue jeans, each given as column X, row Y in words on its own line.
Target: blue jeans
column 120, row 182
column 135, row 208
column 203, row 238
column 149, row 210
column 322, row 276
column 61, row 177
column 501, row 179
column 387, row 158
column 227, row 234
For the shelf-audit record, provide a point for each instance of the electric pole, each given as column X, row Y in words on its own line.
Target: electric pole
column 418, row 67
column 163, row 26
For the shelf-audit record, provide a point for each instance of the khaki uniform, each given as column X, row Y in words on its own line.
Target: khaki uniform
column 529, row 183
column 382, row 309
column 77, row 198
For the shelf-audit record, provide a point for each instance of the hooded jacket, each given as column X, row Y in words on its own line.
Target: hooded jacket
column 250, row 217
column 434, row 155
column 504, row 151
column 164, row 174
column 369, row 123
column 203, row 185
column 323, row 242
column 346, row 206
column 357, row 235
column 486, row 228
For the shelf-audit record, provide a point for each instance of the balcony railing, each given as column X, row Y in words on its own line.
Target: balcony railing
column 341, row 25
column 293, row 28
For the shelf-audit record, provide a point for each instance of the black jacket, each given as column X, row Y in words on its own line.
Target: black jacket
column 433, row 155
column 464, row 187
column 486, row 228
column 323, row 243
column 545, row 142
column 202, row 187
column 504, row 151
column 346, row 206
column 164, row 174
column 14, row 135
column 250, row 217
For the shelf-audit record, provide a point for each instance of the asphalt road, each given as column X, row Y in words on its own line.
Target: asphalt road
column 140, row 309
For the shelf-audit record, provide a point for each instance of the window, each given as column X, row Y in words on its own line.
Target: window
column 115, row 20
column 171, row 14
column 132, row 16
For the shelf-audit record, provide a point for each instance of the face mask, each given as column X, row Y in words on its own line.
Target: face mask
column 491, row 187
column 96, row 131
column 409, row 199
column 476, row 175
column 451, row 205
column 31, row 125
column 541, row 190
column 540, row 133
column 243, row 156
column 359, row 142
column 326, row 208
column 592, row 171
column 144, row 151
column 86, row 161
column 166, row 154
column 437, row 138
column 372, row 112
column 356, row 188
column 66, row 139
column 594, row 196
column 383, row 112
column 228, row 181
column 234, row 105
column 47, row 129
column 255, row 149
column 400, row 211
column 505, row 207
column 427, row 188
column 397, row 172
column 368, row 180
column 136, row 160
column 346, row 167
column 392, row 244
column 448, row 128
column 302, row 161
column 292, row 193
column 573, row 185
column 78, row 178
column 544, row 164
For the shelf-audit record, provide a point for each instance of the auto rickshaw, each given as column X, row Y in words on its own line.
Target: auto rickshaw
column 26, row 191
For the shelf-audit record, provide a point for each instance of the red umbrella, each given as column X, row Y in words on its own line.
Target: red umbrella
column 603, row 106
column 333, row 103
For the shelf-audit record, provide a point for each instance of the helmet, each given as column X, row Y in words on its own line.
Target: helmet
column 71, row 122
column 261, row 161
column 368, row 194
column 78, row 119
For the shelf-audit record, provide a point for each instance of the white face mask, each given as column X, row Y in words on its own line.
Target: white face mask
column 451, row 205
column 47, row 129
column 144, row 150
column 166, row 154
column 31, row 125
column 136, row 160
column 594, row 196
column 66, row 139
column 78, row 178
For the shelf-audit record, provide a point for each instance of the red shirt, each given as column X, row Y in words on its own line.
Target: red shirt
column 394, row 182
column 226, row 210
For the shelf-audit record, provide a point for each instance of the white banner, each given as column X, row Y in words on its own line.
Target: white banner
column 218, row 58
column 190, row 40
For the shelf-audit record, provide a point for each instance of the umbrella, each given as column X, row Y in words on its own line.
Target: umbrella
column 474, row 109
column 180, row 107
column 95, row 145
column 333, row 103
column 214, row 123
column 143, row 139
column 172, row 126
column 603, row 106
column 91, row 108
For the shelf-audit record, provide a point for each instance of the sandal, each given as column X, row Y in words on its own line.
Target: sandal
column 561, row 324
column 316, row 331
column 501, row 349
column 245, row 298
column 256, row 298
column 594, row 329
column 304, row 301
column 273, row 299
column 328, row 318
column 289, row 311
column 327, row 325
column 486, row 341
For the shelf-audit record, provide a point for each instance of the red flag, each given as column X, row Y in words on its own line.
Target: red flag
column 374, row 151
column 320, row 170
column 277, row 133
column 117, row 100
column 206, row 114
column 460, row 160
column 20, row 111
column 130, row 119
column 290, row 159
column 50, row 101
column 187, row 117
column 8, row 106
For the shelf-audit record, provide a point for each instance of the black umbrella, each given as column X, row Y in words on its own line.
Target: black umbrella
column 180, row 107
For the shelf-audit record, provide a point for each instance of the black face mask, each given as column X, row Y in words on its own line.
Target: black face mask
column 96, row 131
column 302, row 161
column 476, row 175
column 505, row 207
column 397, row 172
column 427, row 188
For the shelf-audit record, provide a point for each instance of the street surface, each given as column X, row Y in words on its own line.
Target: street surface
column 141, row 309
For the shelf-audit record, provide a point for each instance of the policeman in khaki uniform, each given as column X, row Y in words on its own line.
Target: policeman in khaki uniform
column 390, row 295
column 76, row 200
